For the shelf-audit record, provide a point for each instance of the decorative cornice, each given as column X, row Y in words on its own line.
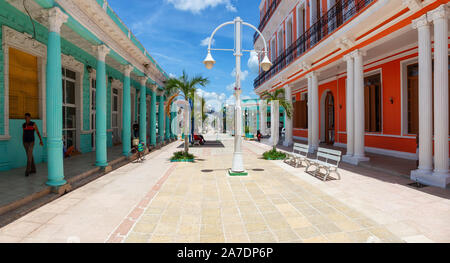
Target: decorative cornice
column 56, row 18
column 72, row 63
column 102, row 51
column 413, row 5
column 115, row 83
column 305, row 65
column 95, row 19
column 23, row 41
column 345, row 43
column 439, row 13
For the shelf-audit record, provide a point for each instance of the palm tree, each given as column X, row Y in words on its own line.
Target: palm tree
column 286, row 104
column 186, row 87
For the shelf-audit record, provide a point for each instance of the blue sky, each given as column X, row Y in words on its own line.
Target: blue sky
column 173, row 31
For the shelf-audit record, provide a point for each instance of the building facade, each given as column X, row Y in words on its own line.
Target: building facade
column 84, row 78
column 367, row 75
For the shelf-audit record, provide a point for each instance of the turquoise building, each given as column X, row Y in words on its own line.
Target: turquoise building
column 251, row 116
column 83, row 76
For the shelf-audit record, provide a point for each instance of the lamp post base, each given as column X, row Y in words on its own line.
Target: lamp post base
column 231, row 173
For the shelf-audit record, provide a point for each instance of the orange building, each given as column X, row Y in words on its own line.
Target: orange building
column 366, row 75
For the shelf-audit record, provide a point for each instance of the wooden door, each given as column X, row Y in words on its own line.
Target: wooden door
column 329, row 118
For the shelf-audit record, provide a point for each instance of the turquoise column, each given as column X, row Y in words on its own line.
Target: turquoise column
column 167, row 126
column 143, row 111
column 126, row 119
column 153, row 117
column 54, row 100
column 100, row 109
column 161, row 117
column 174, row 128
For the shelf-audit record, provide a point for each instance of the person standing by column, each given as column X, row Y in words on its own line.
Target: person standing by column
column 29, row 127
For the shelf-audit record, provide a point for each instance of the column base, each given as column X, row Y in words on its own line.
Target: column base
column 288, row 143
column 101, row 164
column 355, row 160
column 431, row 178
column 56, row 183
column 231, row 173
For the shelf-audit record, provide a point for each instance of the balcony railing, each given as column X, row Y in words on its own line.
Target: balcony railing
column 273, row 6
column 327, row 24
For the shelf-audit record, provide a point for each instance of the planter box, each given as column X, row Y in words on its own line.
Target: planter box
column 182, row 161
column 274, row 159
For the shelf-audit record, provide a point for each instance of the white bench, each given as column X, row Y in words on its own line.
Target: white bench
column 298, row 155
column 327, row 160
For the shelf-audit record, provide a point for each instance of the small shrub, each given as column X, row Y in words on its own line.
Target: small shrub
column 274, row 155
column 182, row 155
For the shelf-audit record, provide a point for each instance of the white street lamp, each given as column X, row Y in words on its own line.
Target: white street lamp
column 238, row 163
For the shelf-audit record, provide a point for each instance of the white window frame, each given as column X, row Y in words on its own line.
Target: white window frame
column 299, row 10
column 117, row 84
column 92, row 110
column 70, row 63
column 290, row 19
column 280, row 36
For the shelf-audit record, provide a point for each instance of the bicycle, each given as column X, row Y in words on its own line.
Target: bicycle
column 138, row 149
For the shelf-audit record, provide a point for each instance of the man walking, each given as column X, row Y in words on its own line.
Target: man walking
column 28, row 142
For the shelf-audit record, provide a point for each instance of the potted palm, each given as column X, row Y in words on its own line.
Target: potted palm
column 276, row 99
column 185, row 87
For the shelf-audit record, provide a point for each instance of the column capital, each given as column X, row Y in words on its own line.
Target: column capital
column 102, row 51
column 439, row 13
column 143, row 80
column 312, row 74
column 420, row 22
column 56, row 18
column 413, row 5
column 358, row 53
column 154, row 87
column 348, row 57
column 127, row 69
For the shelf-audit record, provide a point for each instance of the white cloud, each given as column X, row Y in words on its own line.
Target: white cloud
column 196, row 6
column 211, row 95
column 253, row 62
column 213, row 100
column 205, row 42
column 171, row 75
column 244, row 74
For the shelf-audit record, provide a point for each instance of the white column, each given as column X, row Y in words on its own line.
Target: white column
column 262, row 117
column 315, row 110
column 439, row 17
column 288, row 121
column 275, row 121
column 310, row 107
column 359, row 108
column 425, row 98
column 349, row 95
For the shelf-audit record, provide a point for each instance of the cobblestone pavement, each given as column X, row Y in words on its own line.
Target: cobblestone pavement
column 159, row 201
column 200, row 203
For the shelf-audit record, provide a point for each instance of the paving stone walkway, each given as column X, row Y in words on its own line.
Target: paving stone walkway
column 200, row 203
column 159, row 201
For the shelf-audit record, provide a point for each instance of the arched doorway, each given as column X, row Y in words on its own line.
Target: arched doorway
column 329, row 118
